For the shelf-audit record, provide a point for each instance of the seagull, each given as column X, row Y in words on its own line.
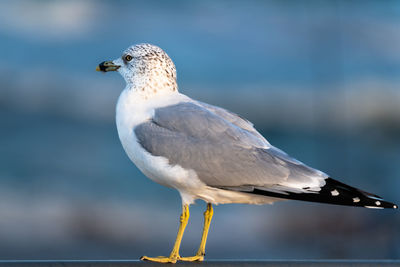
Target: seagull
column 207, row 152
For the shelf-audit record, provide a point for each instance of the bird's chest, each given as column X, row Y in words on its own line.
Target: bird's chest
column 129, row 114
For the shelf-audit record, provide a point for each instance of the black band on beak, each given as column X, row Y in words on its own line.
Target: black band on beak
column 107, row 66
column 102, row 67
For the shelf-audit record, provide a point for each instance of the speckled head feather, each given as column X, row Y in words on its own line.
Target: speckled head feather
column 147, row 68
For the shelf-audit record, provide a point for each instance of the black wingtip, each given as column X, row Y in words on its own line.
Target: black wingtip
column 334, row 192
column 352, row 196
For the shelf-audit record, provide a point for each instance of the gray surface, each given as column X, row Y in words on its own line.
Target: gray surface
column 220, row 263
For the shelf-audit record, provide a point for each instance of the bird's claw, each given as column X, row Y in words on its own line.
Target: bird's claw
column 193, row 258
column 161, row 259
column 172, row 259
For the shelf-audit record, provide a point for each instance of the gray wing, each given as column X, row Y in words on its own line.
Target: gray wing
column 224, row 152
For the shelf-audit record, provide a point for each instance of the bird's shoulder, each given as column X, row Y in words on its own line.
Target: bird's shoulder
column 199, row 119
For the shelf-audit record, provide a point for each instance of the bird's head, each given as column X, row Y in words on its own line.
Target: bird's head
column 145, row 67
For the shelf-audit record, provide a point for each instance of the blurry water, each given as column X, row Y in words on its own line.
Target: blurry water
column 318, row 79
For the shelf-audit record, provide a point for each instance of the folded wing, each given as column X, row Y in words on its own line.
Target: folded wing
column 224, row 150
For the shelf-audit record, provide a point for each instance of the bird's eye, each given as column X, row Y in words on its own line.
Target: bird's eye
column 128, row 58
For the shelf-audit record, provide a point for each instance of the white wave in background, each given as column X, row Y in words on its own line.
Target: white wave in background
column 48, row 20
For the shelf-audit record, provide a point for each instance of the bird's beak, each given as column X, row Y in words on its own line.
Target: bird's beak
column 107, row 66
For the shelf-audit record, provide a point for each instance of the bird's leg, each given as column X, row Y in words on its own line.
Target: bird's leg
column 174, row 256
column 202, row 248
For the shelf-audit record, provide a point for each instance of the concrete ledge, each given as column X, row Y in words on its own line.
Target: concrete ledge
column 208, row 263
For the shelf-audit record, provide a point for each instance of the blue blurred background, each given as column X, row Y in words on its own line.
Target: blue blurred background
column 320, row 80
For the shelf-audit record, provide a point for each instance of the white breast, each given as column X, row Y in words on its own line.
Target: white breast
column 132, row 110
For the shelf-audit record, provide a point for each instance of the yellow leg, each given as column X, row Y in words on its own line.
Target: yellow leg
column 202, row 248
column 174, row 256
